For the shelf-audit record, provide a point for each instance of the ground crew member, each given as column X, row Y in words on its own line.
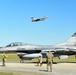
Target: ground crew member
column 3, row 59
column 21, row 60
column 39, row 63
column 49, row 59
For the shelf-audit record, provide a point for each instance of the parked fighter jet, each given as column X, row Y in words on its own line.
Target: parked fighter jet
column 38, row 19
column 29, row 51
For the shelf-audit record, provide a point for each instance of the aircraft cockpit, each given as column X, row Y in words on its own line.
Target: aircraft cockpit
column 16, row 44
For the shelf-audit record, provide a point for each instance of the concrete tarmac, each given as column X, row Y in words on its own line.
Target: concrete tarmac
column 33, row 69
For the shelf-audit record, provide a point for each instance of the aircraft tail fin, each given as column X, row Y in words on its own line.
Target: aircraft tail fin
column 32, row 17
column 72, row 40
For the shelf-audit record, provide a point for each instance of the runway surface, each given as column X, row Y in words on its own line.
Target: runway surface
column 33, row 69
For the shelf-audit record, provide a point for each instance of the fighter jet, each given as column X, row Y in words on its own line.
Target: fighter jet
column 38, row 19
column 29, row 51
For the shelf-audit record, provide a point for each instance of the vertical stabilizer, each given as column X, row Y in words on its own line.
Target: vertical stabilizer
column 72, row 40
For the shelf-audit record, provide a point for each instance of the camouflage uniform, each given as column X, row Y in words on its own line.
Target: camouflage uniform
column 49, row 59
column 39, row 63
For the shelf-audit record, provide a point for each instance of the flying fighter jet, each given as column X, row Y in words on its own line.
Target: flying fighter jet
column 29, row 51
column 38, row 19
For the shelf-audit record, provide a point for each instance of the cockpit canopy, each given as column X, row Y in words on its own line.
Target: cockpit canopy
column 16, row 44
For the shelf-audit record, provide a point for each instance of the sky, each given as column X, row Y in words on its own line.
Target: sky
column 16, row 25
